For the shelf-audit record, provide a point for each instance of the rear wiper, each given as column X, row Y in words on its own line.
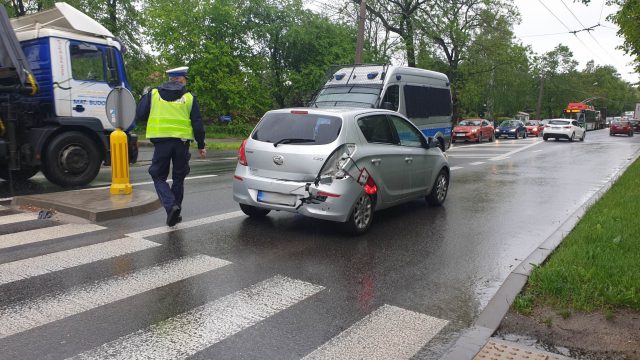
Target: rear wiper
column 291, row 141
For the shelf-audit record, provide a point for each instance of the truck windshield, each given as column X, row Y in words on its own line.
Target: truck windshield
column 357, row 96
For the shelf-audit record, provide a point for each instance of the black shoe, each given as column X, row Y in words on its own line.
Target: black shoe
column 179, row 219
column 173, row 216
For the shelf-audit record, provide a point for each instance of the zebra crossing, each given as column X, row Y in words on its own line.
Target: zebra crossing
column 494, row 151
column 386, row 332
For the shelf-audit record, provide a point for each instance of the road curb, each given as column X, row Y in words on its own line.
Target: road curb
column 473, row 340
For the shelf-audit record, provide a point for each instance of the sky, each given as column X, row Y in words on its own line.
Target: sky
column 540, row 29
column 598, row 45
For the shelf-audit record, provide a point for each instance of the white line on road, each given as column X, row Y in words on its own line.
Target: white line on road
column 185, row 225
column 44, row 264
column 23, row 316
column 456, row 168
column 193, row 331
column 477, row 163
column 44, row 234
column 388, row 333
column 16, row 218
column 502, row 157
column 151, row 182
column 537, row 151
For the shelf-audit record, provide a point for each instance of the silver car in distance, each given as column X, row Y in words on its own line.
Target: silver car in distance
column 338, row 164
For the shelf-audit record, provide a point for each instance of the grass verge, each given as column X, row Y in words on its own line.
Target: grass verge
column 597, row 266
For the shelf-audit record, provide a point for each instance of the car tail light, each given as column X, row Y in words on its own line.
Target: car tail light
column 242, row 156
column 370, row 187
column 299, row 112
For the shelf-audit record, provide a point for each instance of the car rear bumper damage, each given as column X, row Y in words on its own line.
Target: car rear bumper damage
column 328, row 200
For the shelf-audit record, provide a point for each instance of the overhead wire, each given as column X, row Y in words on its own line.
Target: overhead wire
column 568, row 29
column 584, row 27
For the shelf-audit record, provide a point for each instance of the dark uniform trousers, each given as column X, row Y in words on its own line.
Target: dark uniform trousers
column 167, row 152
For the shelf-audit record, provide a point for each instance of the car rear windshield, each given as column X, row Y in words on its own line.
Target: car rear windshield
column 559, row 122
column 299, row 129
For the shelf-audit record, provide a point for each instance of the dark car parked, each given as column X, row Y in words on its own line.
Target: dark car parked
column 635, row 124
column 621, row 127
column 511, row 128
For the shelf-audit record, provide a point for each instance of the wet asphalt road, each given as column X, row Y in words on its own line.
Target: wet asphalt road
column 505, row 199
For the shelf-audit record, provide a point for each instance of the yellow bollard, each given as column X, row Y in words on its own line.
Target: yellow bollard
column 120, row 184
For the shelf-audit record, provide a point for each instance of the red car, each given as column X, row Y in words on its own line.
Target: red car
column 534, row 127
column 476, row 130
column 621, row 127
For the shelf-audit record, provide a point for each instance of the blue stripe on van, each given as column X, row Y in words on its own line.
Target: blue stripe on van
column 432, row 131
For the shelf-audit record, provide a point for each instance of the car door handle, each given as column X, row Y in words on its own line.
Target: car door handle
column 408, row 159
column 376, row 162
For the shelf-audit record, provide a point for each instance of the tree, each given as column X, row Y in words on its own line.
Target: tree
column 398, row 16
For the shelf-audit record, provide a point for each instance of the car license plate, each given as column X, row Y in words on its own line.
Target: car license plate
column 460, row 134
column 555, row 127
column 276, row 198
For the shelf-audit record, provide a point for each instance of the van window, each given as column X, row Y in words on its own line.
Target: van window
column 356, row 96
column 299, row 129
column 422, row 101
column 392, row 96
column 376, row 129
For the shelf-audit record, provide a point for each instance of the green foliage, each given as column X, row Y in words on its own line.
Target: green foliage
column 597, row 265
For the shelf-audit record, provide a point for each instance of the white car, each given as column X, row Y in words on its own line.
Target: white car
column 337, row 164
column 564, row 129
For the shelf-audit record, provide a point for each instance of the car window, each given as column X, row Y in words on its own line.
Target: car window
column 392, row 96
column 376, row 129
column 301, row 129
column 409, row 136
column 575, row 123
column 558, row 122
column 485, row 123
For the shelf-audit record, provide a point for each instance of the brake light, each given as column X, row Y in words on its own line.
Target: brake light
column 242, row 156
column 370, row 187
column 299, row 112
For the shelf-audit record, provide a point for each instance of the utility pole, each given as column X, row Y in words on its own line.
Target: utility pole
column 360, row 39
column 540, row 93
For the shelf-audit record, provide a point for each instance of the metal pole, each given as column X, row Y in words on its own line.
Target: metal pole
column 360, row 39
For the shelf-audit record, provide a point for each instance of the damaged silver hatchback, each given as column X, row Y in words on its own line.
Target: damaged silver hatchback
column 337, row 164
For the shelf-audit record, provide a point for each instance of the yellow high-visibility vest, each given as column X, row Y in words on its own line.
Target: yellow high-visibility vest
column 170, row 119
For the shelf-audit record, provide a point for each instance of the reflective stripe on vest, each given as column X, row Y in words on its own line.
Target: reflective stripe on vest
column 170, row 118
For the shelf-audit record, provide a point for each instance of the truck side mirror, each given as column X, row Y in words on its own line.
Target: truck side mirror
column 112, row 68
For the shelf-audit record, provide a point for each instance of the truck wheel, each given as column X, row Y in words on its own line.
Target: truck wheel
column 71, row 159
column 23, row 174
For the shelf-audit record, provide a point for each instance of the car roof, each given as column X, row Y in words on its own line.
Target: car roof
column 336, row 111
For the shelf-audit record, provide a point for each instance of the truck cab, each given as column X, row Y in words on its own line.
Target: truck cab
column 63, row 129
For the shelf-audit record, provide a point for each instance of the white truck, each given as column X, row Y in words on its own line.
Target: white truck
column 423, row 96
column 56, row 69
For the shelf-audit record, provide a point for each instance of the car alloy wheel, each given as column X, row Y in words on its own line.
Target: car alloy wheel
column 573, row 137
column 440, row 188
column 361, row 216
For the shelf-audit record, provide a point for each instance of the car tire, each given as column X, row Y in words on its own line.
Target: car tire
column 83, row 166
column 479, row 139
column 515, row 136
column 253, row 211
column 610, row 134
column 361, row 216
column 545, row 138
column 572, row 137
column 23, row 174
column 631, row 134
column 438, row 193
column 584, row 135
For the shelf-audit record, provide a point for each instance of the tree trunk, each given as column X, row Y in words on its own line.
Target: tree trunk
column 540, row 93
column 409, row 41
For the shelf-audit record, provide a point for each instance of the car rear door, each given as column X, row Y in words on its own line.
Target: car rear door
column 383, row 157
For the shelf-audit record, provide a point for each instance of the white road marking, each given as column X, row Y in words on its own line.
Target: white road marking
column 195, row 330
column 186, row 225
column 16, row 218
column 477, row 163
column 387, row 333
column 151, row 182
column 535, row 151
column 44, row 234
column 502, row 157
column 456, row 168
column 44, row 264
column 23, row 316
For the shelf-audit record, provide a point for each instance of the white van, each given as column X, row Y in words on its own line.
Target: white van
column 421, row 95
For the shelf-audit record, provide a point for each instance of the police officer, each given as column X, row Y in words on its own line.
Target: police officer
column 173, row 121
